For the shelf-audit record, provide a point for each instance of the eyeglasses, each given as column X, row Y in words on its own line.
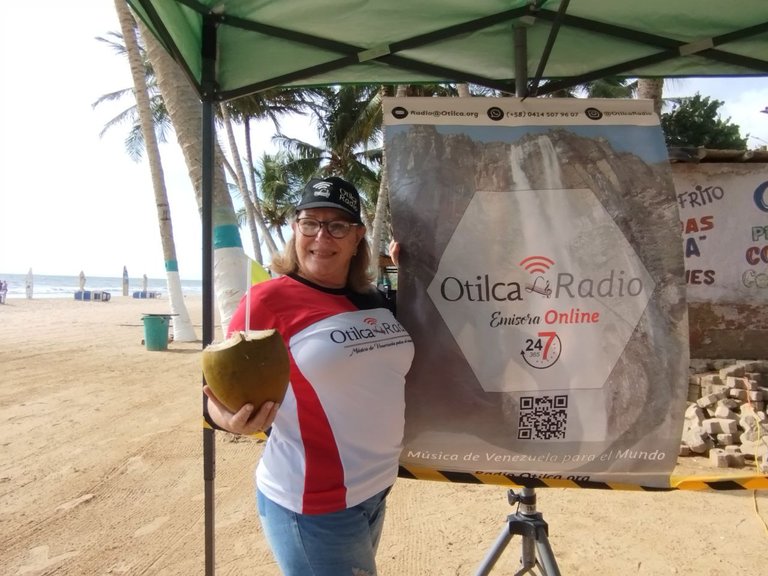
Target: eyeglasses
column 336, row 228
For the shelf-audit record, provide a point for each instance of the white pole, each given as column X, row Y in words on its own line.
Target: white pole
column 248, row 297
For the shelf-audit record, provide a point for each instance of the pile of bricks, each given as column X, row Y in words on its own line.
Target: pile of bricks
column 726, row 417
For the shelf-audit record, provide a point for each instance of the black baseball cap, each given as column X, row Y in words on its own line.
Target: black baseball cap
column 331, row 192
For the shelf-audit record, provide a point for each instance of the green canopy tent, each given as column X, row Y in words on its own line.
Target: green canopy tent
column 257, row 45
column 231, row 48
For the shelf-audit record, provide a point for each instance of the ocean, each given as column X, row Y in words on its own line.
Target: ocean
column 44, row 286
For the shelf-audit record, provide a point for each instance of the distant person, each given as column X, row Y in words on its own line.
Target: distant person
column 28, row 285
column 332, row 454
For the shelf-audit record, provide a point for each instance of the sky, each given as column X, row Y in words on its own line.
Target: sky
column 71, row 200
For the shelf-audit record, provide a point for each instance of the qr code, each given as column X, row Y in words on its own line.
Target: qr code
column 543, row 417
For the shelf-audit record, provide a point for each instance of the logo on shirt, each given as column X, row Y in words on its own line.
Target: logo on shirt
column 362, row 333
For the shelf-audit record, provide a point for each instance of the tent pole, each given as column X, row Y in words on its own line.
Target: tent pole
column 553, row 31
column 208, row 50
column 521, row 61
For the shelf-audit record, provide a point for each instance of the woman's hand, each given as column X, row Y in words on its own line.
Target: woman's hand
column 246, row 420
column 394, row 251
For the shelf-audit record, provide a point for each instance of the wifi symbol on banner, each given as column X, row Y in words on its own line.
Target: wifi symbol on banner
column 537, row 264
column 370, row 321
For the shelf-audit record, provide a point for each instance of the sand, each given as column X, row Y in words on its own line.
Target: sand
column 101, row 474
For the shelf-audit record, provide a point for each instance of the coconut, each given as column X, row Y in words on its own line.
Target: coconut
column 248, row 367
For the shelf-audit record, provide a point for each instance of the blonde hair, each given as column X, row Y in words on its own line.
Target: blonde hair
column 359, row 278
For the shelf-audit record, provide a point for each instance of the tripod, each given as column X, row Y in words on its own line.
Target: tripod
column 536, row 552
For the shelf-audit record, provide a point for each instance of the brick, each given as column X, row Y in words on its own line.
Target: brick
column 751, row 385
column 738, row 394
column 755, row 395
column 685, row 450
column 733, row 370
column 735, row 460
column 725, row 439
column 754, row 449
column 720, row 426
column 710, row 379
column 718, row 458
column 731, row 403
column 695, row 413
column 750, row 421
column 753, row 366
column 707, row 389
column 710, row 399
column 724, row 412
column 697, row 439
column 753, row 434
column 752, row 410
column 734, row 382
column 733, row 449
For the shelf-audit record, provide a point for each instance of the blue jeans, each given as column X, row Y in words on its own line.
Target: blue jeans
column 336, row 544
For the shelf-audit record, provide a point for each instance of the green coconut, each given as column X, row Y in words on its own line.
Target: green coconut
column 248, row 367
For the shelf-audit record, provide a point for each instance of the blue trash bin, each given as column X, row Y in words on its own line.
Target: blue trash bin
column 156, row 331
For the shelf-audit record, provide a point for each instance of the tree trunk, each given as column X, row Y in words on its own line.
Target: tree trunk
column 252, row 181
column 463, row 90
column 382, row 209
column 379, row 219
column 183, row 330
column 242, row 184
column 230, row 264
column 271, row 245
column 651, row 89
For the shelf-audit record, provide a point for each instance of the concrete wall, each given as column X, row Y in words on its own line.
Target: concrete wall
column 724, row 224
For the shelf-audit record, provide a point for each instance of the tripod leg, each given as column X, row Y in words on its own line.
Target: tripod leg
column 547, row 557
column 493, row 555
column 527, row 556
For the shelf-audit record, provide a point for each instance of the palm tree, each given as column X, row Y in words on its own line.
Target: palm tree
column 134, row 141
column 254, row 216
column 230, row 261
column 651, row 88
column 270, row 104
column 183, row 330
column 381, row 211
column 608, row 87
column 280, row 189
column 348, row 121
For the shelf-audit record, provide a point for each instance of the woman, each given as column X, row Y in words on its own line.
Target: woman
column 332, row 454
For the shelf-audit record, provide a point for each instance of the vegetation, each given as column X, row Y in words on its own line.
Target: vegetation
column 695, row 121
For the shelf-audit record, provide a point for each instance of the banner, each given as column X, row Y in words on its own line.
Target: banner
column 542, row 281
column 724, row 223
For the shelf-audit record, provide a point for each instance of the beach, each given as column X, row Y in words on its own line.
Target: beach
column 101, row 473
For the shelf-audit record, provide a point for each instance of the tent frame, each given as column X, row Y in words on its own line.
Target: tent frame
column 665, row 48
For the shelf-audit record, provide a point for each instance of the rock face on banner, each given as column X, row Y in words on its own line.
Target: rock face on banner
column 543, row 275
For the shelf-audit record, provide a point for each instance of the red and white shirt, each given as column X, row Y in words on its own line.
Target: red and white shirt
column 338, row 434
